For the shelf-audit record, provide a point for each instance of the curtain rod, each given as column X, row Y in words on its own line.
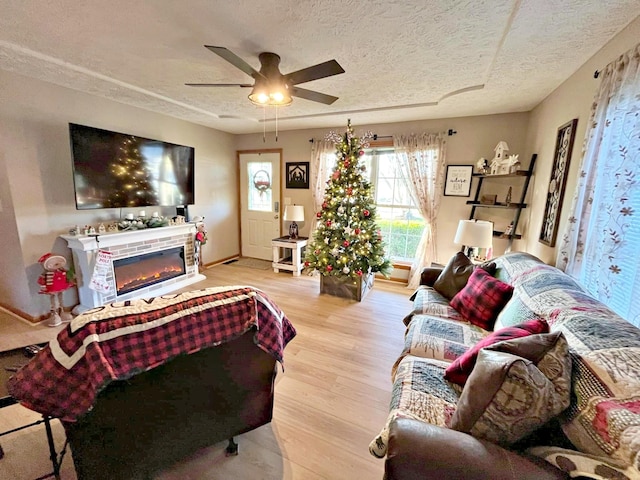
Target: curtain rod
column 450, row 132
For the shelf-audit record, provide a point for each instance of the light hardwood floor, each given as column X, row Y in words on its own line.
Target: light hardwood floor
column 330, row 402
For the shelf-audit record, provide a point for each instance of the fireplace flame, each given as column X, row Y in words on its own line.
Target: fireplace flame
column 149, row 269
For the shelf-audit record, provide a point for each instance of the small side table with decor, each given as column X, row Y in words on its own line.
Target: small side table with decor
column 287, row 254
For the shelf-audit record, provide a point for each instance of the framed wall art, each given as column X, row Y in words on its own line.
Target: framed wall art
column 557, row 182
column 457, row 183
column 297, row 174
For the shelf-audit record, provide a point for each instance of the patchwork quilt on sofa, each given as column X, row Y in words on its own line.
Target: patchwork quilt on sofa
column 603, row 417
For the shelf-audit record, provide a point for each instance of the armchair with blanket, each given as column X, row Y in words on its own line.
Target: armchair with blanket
column 139, row 385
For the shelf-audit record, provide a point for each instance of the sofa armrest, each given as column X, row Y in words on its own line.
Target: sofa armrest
column 418, row 450
column 429, row 275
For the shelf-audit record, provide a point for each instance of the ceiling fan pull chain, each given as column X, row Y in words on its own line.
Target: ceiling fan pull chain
column 264, row 124
column 276, row 123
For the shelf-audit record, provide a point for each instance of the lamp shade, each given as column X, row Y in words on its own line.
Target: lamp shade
column 294, row 213
column 474, row 233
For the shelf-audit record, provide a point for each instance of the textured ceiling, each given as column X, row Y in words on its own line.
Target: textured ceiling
column 404, row 59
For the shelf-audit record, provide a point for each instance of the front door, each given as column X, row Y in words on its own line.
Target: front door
column 259, row 202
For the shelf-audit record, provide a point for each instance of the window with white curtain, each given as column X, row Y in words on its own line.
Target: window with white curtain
column 398, row 217
column 601, row 243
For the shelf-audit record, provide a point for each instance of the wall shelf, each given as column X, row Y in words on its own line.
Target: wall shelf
column 519, row 175
column 497, row 205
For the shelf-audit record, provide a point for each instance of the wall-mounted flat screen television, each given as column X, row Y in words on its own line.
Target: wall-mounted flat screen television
column 117, row 170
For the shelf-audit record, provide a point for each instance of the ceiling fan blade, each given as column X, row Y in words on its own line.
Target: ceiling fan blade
column 313, row 96
column 321, row 70
column 218, row 85
column 235, row 60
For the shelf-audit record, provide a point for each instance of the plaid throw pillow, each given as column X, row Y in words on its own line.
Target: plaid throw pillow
column 460, row 369
column 481, row 300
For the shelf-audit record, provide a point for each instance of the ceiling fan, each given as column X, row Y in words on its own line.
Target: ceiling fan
column 272, row 87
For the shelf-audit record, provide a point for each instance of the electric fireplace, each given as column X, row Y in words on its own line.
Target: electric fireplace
column 140, row 271
column 175, row 239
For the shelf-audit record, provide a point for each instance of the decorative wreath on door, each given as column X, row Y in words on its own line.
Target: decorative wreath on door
column 262, row 181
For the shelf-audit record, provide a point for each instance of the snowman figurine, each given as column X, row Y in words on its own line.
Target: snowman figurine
column 54, row 280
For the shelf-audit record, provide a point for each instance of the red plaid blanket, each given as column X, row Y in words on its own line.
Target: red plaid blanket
column 117, row 341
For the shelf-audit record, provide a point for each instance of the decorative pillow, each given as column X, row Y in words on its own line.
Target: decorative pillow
column 514, row 312
column 460, row 369
column 455, row 274
column 481, row 300
column 508, row 396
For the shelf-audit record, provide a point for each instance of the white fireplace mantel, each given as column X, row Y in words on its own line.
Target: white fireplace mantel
column 127, row 244
column 88, row 243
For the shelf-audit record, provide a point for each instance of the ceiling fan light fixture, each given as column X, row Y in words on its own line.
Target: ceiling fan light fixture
column 272, row 96
column 259, row 98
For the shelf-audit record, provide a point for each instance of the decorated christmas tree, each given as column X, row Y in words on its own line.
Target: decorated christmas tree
column 132, row 180
column 347, row 241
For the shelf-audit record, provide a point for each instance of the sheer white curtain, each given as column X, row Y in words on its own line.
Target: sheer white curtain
column 320, row 150
column 602, row 240
column 422, row 158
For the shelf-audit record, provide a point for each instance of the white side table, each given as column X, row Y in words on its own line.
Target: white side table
column 291, row 258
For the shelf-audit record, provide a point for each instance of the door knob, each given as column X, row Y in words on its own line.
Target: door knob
column 275, row 216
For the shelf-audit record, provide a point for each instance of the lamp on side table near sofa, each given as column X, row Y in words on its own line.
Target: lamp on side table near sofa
column 293, row 214
column 474, row 235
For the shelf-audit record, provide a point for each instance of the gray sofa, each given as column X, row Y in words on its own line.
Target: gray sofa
column 597, row 436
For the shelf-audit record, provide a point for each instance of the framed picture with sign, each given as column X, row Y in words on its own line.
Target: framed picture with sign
column 297, row 174
column 557, row 183
column 457, row 183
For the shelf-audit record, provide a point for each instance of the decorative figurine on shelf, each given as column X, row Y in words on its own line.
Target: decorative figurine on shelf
column 508, row 231
column 507, row 200
column 501, row 150
column 483, row 166
column 514, row 163
column 201, row 238
column 53, row 281
column 500, row 163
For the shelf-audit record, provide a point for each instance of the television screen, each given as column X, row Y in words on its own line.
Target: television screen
column 117, row 170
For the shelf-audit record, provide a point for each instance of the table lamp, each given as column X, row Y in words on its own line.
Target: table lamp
column 293, row 214
column 474, row 234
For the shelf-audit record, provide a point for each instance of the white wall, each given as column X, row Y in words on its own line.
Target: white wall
column 37, row 195
column 476, row 137
column 570, row 100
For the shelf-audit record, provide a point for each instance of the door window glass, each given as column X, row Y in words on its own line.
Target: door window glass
column 259, row 191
